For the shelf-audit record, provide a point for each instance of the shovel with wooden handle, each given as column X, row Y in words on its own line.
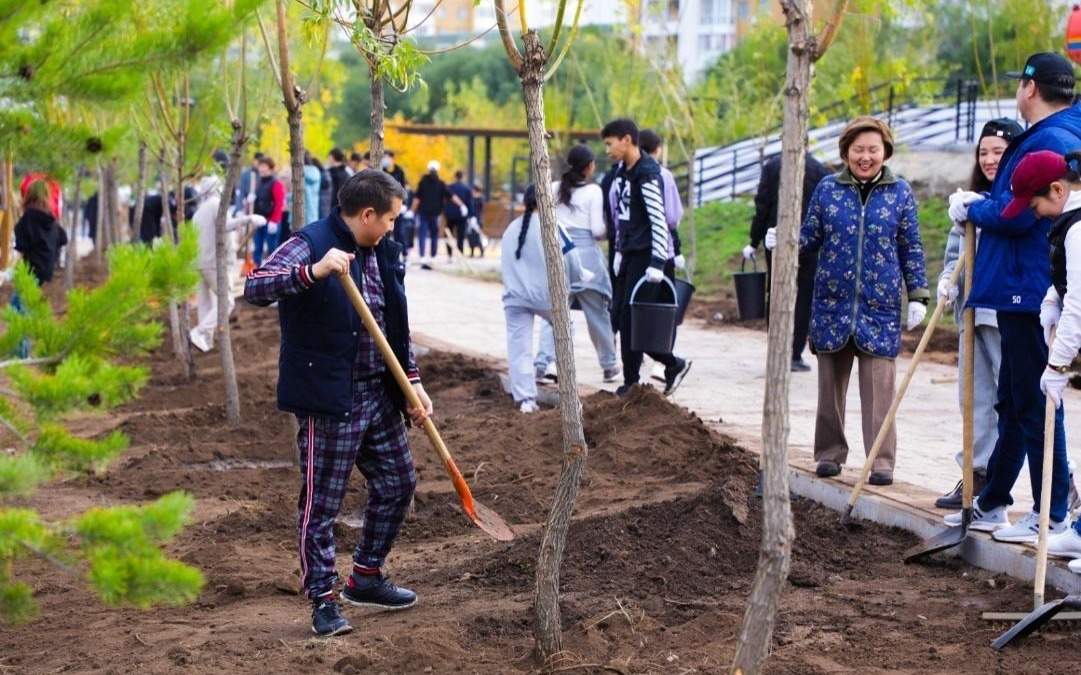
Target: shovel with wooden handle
column 891, row 415
column 483, row 517
column 955, row 535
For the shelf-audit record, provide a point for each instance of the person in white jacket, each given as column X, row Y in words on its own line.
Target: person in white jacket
column 209, row 195
column 580, row 209
column 1056, row 193
column 526, row 295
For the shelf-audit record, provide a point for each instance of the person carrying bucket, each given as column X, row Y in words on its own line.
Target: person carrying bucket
column 863, row 224
column 332, row 376
column 643, row 251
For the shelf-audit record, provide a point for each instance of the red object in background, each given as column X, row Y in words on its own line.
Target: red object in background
column 54, row 190
column 1073, row 34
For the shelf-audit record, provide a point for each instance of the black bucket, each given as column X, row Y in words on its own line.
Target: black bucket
column 684, row 293
column 750, row 292
column 653, row 324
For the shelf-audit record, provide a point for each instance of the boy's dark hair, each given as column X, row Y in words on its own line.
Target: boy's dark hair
column 618, row 128
column 337, row 154
column 1060, row 92
column 458, row 174
column 354, row 157
column 649, row 141
column 369, row 188
column 257, row 156
column 266, row 160
column 388, row 153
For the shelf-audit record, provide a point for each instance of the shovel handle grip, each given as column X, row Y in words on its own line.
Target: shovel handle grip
column 1045, row 495
column 406, row 386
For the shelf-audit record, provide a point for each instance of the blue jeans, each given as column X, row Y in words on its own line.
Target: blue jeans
column 263, row 243
column 23, row 350
column 428, row 227
column 1021, row 417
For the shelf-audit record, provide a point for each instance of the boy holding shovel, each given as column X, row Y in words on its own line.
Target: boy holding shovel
column 333, row 378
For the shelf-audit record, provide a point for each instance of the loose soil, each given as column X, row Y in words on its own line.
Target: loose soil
column 659, row 561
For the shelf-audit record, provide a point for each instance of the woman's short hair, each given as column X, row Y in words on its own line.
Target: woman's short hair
column 861, row 125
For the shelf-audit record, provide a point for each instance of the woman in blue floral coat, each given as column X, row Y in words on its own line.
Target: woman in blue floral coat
column 864, row 225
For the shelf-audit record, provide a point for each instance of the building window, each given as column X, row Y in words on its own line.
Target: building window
column 716, row 12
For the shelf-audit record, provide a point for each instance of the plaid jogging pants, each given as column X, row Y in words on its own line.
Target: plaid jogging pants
column 376, row 442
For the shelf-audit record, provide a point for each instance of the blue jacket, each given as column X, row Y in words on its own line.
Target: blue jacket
column 865, row 251
column 319, row 328
column 1012, row 269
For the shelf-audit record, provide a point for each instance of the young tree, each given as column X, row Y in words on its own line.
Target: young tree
column 73, row 366
column 775, row 551
column 533, row 68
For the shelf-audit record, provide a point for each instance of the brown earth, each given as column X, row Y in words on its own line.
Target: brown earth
column 659, row 560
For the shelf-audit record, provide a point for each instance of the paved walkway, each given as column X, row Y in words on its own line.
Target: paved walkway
column 725, row 387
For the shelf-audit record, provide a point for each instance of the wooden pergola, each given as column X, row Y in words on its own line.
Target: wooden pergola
column 488, row 133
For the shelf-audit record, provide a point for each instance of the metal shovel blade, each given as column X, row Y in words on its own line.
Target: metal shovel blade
column 1036, row 620
column 942, row 541
column 491, row 523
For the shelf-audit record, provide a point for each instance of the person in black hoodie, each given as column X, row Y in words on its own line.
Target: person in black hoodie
column 765, row 217
column 38, row 237
column 642, row 241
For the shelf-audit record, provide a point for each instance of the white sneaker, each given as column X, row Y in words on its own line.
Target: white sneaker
column 1027, row 530
column 1065, row 545
column 528, row 407
column 1075, row 566
column 984, row 522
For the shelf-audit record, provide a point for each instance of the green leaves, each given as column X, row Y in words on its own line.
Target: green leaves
column 121, row 546
column 56, row 444
column 19, row 475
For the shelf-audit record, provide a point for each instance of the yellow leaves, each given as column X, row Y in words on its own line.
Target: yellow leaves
column 413, row 152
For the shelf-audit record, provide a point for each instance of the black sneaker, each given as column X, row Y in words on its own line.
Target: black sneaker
column 827, row 469
column 800, row 366
column 376, row 591
column 953, row 500
column 624, row 389
column 880, row 478
column 327, row 619
column 673, row 377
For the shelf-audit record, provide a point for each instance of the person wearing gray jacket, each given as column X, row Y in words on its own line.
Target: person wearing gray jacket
column 526, row 295
column 987, row 357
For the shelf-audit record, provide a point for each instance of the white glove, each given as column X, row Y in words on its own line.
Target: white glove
column 408, row 213
column 257, row 220
column 1050, row 312
column 250, row 199
column 959, row 203
column 947, row 292
column 465, row 210
column 748, row 252
column 617, row 263
column 586, row 275
column 6, row 275
column 916, row 313
column 1052, row 383
column 654, row 275
column 771, row 239
column 271, row 227
column 680, row 262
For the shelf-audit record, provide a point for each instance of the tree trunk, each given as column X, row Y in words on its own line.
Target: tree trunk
column 378, row 108
column 184, row 354
column 296, row 152
column 223, row 263
column 167, row 226
column 777, row 531
column 546, row 629
column 140, row 193
column 71, row 259
column 116, row 222
column 293, row 98
column 100, row 238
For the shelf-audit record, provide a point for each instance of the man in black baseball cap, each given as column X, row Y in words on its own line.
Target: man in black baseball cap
column 1052, row 73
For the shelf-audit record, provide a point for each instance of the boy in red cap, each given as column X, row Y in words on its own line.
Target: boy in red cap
column 1050, row 185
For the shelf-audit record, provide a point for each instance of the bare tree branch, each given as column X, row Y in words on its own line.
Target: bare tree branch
column 509, row 46
column 570, row 41
column 824, row 39
column 269, row 51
